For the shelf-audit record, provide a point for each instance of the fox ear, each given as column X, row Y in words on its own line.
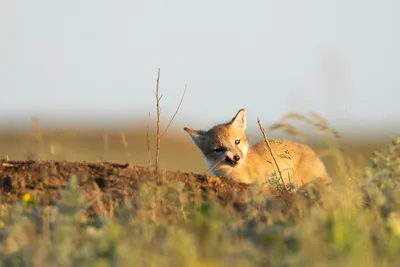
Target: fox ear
column 197, row 136
column 239, row 121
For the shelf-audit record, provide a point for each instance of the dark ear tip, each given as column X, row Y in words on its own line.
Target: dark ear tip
column 186, row 129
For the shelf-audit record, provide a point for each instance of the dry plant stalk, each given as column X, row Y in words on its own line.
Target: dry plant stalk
column 271, row 152
column 123, row 139
column 158, row 98
column 319, row 123
column 159, row 134
column 148, row 142
column 105, row 145
column 98, row 199
column 125, row 143
column 37, row 131
column 289, row 129
column 213, row 166
column 176, row 112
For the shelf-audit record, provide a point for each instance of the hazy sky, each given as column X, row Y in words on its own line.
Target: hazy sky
column 99, row 59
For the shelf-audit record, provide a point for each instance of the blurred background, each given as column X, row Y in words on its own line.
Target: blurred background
column 77, row 77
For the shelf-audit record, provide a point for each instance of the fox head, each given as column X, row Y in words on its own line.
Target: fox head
column 226, row 142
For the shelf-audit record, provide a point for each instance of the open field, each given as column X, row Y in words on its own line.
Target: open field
column 92, row 174
column 72, row 213
column 130, row 146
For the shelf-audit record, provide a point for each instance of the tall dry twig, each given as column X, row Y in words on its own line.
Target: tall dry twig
column 271, row 152
column 105, row 146
column 158, row 98
column 148, row 142
column 176, row 112
column 37, row 131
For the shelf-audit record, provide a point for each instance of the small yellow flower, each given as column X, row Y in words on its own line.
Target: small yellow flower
column 27, row 198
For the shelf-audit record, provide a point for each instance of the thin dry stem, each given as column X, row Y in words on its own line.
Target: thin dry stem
column 123, row 139
column 176, row 112
column 318, row 122
column 125, row 143
column 99, row 201
column 271, row 152
column 213, row 166
column 105, row 145
column 158, row 120
column 37, row 131
column 148, row 142
column 319, row 118
column 288, row 129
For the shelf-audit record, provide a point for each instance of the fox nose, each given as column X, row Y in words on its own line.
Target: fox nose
column 236, row 157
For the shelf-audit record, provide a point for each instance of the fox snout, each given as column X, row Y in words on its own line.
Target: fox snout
column 233, row 158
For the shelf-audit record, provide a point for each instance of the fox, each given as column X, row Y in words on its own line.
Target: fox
column 227, row 151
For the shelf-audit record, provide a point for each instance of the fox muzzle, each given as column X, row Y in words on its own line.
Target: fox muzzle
column 233, row 159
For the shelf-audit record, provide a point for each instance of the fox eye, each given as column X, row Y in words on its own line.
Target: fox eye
column 237, row 141
column 218, row 149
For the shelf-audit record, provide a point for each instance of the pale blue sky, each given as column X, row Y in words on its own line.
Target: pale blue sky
column 98, row 59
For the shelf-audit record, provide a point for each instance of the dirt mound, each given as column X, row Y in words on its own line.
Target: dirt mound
column 45, row 180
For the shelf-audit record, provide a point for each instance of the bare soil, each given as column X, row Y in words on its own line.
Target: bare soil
column 46, row 180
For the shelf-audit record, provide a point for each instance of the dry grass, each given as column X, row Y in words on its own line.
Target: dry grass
column 163, row 223
column 112, row 215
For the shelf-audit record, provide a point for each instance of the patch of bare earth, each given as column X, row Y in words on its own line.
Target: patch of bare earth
column 113, row 183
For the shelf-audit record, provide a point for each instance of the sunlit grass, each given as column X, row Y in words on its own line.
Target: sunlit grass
column 357, row 223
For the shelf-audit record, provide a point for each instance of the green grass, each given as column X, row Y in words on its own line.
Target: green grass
column 357, row 224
